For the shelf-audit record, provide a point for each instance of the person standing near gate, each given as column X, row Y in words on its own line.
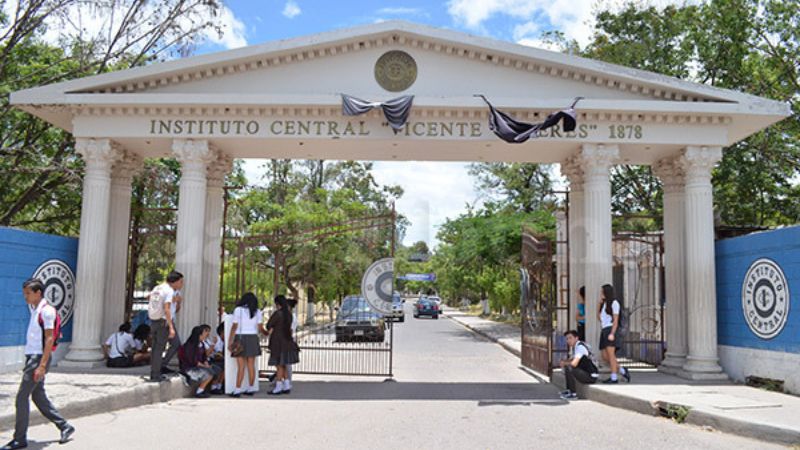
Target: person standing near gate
column 580, row 314
column 609, row 314
column 579, row 367
column 163, row 306
column 40, row 340
column 283, row 350
column 243, row 341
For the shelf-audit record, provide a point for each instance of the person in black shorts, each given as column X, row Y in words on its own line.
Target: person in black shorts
column 608, row 313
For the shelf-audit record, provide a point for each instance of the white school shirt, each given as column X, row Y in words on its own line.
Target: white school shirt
column 169, row 295
column 605, row 319
column 245, row 323
column 33, row 339
column 294, row 324
column 122, row 342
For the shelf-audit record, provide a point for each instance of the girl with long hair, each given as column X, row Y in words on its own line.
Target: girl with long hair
column 608, row 314
column 283, row 350
column 192, row 357
column 247, row 324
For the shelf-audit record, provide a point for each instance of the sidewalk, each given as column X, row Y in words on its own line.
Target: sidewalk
column 724, row 406
column 77, row 393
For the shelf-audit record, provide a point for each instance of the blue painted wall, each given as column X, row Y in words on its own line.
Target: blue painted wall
column 734, row 257
column 21, row 253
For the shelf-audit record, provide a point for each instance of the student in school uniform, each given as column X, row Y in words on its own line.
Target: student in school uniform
column 610, row 341
column 192, row 356
column 39, row 343
column 123, row 350
column 247, row 324
column 216, row 357
column 579, row 367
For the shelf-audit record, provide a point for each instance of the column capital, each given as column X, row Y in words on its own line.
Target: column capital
column 194, row 155
column 572, row 169
column 99, row 154
column 671, row 173
column 126, row 167
column 596, row 159
column 697, row 162
column 218, row 169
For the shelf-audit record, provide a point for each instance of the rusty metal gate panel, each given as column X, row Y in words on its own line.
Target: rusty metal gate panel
column 538, row 298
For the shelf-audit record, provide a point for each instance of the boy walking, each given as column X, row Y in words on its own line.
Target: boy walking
column 38, row 351
column 163, row 306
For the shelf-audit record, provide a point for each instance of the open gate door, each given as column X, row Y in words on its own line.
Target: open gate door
column 538, row 303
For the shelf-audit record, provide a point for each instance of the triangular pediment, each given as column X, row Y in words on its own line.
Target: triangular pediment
column 449, row 64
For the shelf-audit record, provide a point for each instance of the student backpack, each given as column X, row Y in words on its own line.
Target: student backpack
column 56, row 329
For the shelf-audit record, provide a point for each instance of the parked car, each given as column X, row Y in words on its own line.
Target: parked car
column 426, row 307
column 357, row 321
column 398, row 313
column 436, row 299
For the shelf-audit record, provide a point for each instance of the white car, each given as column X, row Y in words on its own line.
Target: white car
column 437, row 300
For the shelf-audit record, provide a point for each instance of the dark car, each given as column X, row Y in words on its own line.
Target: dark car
column 357, row 321
column 426, row 307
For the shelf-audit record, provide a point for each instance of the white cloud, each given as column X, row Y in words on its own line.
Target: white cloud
column 233, row 31
column 292, row 9
column 575, row 18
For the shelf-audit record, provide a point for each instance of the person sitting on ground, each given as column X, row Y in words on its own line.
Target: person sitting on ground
column 193, row 363
column 122, row 350
column 215, row 351
column 142, row 334
column 579, row 367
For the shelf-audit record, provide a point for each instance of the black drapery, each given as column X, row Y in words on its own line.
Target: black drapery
column 396, row 110
column 516, row 132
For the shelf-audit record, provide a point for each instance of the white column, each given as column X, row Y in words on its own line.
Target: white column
column 701, row 293
column 577, row 233
column 596, row 160
column 672, row 178
column 99, row 155
column 117, row 246
column 213, row 238
column 194, row 157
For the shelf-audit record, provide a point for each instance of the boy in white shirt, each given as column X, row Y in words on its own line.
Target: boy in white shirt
column 39, row 344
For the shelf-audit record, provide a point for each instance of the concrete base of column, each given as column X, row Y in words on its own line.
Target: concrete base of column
column 83, row 358
column 702, row 369
column 672, row 363
column 698, row 376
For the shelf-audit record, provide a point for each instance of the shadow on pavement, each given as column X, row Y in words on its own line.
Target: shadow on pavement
column 485, row 393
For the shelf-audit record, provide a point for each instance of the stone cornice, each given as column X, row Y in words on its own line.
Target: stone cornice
column 418, row 113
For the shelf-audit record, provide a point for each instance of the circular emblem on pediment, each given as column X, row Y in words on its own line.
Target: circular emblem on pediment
column 765, row 298
column 395, row 71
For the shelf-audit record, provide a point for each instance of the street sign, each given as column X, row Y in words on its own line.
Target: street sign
column 418, row 277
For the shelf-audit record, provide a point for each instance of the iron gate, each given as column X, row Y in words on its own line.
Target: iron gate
column 345, row 337
column 638, row 279
column 538, row 308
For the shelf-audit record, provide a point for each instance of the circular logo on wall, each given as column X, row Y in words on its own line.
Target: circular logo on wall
column 377, row 285
column 59, row 286
column 396, row 71
column 765, row 298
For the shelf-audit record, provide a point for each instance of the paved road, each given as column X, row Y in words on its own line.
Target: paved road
column 451, row 390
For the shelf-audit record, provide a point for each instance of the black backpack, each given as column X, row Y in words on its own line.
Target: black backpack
column 587, row 363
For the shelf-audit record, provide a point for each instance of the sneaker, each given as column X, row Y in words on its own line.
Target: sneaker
column 249, row 393
column 202, row 394
column 66, row 432
column 627, row 374
column 564, row 392
column 235, row 394
column 610, row 381
column 218, row 391
column 15, row 444
column 569, row 396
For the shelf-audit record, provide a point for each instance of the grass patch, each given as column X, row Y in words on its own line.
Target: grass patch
column 677, row 413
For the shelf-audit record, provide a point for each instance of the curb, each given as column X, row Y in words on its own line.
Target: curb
column 697, row 417
column 144, row 394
